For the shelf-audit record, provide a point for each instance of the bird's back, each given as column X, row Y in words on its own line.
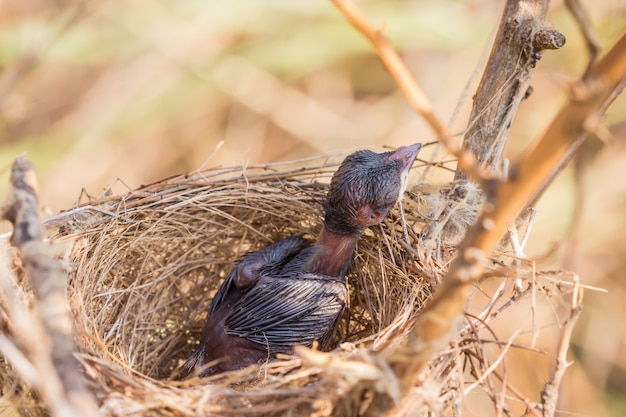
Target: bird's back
column 284, row 311
column 268, row 304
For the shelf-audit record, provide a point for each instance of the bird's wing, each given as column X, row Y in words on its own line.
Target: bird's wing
column 283, row 312
column 250, row 267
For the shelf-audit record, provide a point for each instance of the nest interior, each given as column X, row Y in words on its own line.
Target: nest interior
column 145, row 266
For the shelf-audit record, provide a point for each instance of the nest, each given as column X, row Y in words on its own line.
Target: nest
column 144, row 267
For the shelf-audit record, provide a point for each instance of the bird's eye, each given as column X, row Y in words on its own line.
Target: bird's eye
column 390, row 198
column 382, row 206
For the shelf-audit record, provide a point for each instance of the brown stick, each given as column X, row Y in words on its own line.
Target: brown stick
column 550, row 394
column 505, row 83
column 51, row 347
column 412, row 91
column 522, row 37
column 435, row 327
column 438, row 323
column 586, row 28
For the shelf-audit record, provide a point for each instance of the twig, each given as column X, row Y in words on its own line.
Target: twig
column 412, row 91
column 550, row 394
column 518, row 250
column 20, row 363
column 522, row 23
column 50, row 345
column 517, row 393
column 589, row 34
column 519, row 41
column 437, row 324
column 534, row 170
column 531, row 218
column 494, row 365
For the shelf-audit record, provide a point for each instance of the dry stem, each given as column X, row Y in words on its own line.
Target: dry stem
column 584, row 23
column 411, row 89
column 505, row 83
column 436, row 325
column 48, row 340
column 525, row 37
column 550, row 394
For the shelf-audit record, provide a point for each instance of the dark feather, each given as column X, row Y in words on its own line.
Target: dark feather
column 192, row 363
column 270, row 259
column 281, row 312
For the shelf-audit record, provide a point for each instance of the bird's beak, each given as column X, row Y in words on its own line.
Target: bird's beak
column 407, row 155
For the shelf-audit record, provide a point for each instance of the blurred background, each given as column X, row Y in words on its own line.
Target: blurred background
column 105, row 96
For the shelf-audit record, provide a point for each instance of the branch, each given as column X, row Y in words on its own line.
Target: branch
column 581, row 114
column 584, row 24
column 436, row 325
column 505, row 83
column 49, row 342
column 550, row 394
column 412, row 91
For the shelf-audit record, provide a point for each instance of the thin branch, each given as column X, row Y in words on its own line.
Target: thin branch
column 550, row 394
column 590, row 98
column 412, row 91
column 437, row 324
column 519, row 395
column 519, row 41
column 583, row 21
column 49, row 340
column 485, row 374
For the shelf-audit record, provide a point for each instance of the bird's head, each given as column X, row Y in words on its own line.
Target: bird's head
column 365, row 188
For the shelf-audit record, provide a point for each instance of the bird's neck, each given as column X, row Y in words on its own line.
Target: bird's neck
column 335, row 253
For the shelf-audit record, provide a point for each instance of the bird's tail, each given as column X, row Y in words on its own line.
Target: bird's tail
column 189, row 366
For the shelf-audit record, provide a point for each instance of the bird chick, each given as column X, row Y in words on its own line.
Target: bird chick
column 293, row 292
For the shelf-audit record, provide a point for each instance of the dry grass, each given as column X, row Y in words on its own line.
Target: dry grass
column 167, row 247
column 144, row 266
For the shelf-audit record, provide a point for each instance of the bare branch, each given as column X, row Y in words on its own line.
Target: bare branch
column 51, row 347
column 550, row 394
column 412, row 91
column 584, row 24
column 588, row 102
column 437, row 324
column 505, row 83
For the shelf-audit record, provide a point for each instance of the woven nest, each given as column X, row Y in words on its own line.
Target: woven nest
column 145, row 265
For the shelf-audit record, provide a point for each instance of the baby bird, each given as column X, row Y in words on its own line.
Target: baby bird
column 294, row 292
